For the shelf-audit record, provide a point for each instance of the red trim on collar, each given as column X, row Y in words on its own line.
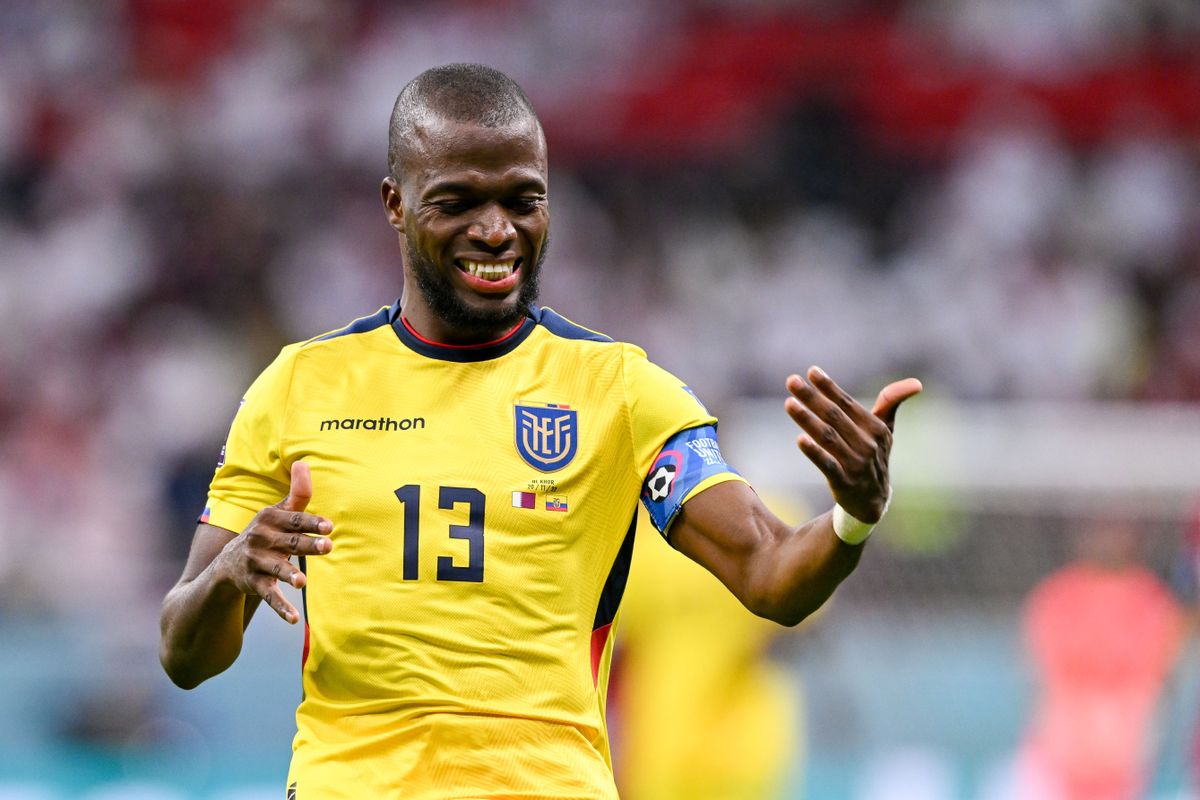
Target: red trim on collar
column 506, row 336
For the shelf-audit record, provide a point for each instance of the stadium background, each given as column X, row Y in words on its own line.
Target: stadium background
column 1002, row 198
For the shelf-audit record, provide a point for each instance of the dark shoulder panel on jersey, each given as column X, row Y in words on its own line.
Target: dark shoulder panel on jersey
column 559, row 325
column 361, row 325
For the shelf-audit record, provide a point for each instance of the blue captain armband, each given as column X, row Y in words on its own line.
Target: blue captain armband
column 688, row 459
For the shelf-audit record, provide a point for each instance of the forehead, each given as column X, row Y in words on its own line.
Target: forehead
column 445, row 151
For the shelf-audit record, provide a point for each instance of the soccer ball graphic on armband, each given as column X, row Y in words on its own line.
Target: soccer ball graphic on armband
column 661, row 482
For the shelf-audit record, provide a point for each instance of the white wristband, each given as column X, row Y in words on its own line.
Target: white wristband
column 854, row 531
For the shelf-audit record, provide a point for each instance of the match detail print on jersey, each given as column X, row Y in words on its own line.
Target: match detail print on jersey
column 687, row 460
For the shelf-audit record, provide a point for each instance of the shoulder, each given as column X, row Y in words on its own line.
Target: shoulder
column 357, row 339
column 585, row 342
column 558, row 325
column 321, row 349
column 570, row 343
column 363, row 325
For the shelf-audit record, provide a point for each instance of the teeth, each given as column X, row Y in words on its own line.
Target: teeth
column 489, row 272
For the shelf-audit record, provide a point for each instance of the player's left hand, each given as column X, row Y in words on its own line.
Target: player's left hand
column 849, row 444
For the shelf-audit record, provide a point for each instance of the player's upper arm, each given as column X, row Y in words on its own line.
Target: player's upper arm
column 674, row 436
column 252, row 472
column 660, row 405
column 723, row 528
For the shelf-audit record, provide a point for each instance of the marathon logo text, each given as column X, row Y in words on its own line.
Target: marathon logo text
column 380, row 424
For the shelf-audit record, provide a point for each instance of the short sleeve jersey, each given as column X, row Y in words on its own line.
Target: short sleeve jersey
column 483, row 501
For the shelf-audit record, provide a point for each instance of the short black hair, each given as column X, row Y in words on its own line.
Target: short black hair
column 457, row 92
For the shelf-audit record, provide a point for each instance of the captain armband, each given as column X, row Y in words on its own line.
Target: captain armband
column 691, row 459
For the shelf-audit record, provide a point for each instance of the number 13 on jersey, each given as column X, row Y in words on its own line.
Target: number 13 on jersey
column 448, row 498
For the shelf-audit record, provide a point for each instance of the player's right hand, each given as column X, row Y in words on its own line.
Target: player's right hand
column 260, row 557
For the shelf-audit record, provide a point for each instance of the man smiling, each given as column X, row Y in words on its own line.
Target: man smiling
column 475, row 273
column 461, row 577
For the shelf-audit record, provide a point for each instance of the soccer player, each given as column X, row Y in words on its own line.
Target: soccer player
column 459, row 474
column 1104, row 633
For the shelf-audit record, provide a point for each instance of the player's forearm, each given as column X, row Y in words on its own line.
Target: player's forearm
column 793, row 573
column 201, row 628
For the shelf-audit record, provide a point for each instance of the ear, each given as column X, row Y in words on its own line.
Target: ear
column 393, row 204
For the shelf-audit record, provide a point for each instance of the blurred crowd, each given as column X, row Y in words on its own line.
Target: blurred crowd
column 1003, row 198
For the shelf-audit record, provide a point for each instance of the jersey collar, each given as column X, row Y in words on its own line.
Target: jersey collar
column 457, row 352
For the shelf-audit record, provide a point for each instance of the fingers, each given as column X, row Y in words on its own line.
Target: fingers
column 301, row 488
column 260, row 558
column 271, row 594
column 300, row 544
column 829, row 466
column 289, row 532
column 294, row 521
column 832, row 417
column 299, row 495
column 275, row 568
column 263, row 569
column 890, row 398
column 850, row 445
column 840, row 398
column 818, row 437
column 257, row 572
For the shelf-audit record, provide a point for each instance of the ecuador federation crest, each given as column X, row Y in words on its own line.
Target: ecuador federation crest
column 547, row 435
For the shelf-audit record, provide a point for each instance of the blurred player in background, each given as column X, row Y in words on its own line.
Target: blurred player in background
column 703, row 712
column 459, row 474
column 1104, row 632
column 1188, row 577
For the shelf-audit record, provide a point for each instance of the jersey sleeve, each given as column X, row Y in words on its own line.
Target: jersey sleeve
column 251, row 473
column 674, row 439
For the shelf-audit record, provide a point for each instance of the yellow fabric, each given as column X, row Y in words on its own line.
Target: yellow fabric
column 704, row 714
column 438, row 688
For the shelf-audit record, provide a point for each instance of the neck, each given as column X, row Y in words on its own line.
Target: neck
column 438, row 332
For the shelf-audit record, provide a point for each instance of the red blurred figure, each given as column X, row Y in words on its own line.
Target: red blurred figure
column 1103, row 632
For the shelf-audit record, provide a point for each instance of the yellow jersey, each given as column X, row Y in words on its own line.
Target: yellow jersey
column 483, row 503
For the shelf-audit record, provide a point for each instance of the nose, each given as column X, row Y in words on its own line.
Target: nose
column 492, row 227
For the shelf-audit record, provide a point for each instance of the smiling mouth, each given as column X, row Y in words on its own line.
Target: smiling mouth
column 489, row 270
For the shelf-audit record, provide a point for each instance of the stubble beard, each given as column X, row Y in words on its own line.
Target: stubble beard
column 447, row 305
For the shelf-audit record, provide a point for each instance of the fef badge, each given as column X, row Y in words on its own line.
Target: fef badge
column 547, row 435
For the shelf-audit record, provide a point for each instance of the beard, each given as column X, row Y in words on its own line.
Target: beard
column 447, row 305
